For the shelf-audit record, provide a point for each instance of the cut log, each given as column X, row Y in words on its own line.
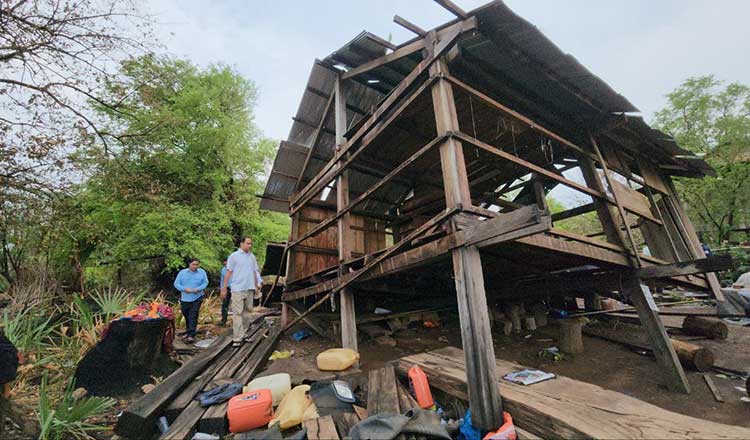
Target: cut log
column 405, row 399
column 695, row 356
column 571, row 340
column 709, row 327
column 567, row 408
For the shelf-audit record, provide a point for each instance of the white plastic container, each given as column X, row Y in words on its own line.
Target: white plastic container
column 279, row 384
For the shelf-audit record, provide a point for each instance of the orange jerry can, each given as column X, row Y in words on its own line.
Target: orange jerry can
column 420, row 387
column 250, row 410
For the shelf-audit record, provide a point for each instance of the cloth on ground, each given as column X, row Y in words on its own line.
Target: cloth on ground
column 219, row 394
column 735, row 303
column 416, row 421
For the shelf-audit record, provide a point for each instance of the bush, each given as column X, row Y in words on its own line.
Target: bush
column 68, row 417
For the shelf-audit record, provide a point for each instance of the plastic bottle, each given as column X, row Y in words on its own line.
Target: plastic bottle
column 279, row 384
column 163, row 424
column 420, row 387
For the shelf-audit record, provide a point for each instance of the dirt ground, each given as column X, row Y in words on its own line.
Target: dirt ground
column 603, row 363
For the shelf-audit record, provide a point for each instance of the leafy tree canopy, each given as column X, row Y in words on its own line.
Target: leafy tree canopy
column 187, row 164
column 713, row 119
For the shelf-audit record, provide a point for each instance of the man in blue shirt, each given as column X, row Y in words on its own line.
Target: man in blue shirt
column 243, row 271
column 226, row 301
column 191, row 282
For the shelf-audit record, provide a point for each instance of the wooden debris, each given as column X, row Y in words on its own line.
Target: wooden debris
column 405, row 399
column 571, row 340
column 567, row 408
column 695, row 356
column 712, row 387
column 382, row 396
column 321, row 428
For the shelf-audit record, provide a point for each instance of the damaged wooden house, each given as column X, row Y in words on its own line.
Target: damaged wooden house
column 423, row 169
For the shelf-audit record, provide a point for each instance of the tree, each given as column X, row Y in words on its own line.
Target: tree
column 188, row 165
column 713, row 120
column 55, row 56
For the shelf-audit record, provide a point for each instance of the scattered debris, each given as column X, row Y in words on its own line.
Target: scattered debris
column 80, row 393
column 147, row 388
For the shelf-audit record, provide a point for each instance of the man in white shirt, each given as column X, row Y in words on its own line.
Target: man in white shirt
column 243, row 277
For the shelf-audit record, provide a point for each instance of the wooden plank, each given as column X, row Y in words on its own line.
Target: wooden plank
column 714, row 263
column 712, row 387
column 476, row 335
column 382, row 396
column 345, row 236
column 185, row 424
column 573, row 212
column 177, row 405
column 346, row 281
column 375, row 122
column 139, row 418
column 409, row 26
column 405, row 399
column 634, row 201
column 344, row 422
column 567, row 408
column 321, row 428
column 310, row 322
column 452, row 8
column 640, row 296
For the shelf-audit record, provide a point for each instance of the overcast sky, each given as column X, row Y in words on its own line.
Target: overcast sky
column 642, row 48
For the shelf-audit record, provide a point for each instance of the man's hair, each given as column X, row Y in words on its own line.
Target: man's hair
column 190, row 260
column 243, row 238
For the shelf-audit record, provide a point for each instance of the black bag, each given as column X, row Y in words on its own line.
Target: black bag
column 8, row 359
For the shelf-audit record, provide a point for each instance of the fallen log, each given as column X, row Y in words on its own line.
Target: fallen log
column 690, row 355
column 699, row 326
column 567, row 408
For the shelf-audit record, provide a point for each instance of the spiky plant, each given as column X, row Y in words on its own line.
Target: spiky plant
column 68, row 418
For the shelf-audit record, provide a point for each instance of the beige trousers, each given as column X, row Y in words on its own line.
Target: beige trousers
column 242, row 307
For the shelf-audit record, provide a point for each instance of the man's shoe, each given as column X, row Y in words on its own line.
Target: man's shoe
column 189, row 340
column 222, row 323
column 236, row 343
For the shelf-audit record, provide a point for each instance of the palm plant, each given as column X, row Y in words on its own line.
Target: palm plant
column 30, row 332
column 68, row 418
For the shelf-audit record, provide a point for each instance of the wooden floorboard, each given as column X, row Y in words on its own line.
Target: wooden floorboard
column 567, row 408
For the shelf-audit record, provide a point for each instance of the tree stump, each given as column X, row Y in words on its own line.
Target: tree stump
column 571, row 339
column 513, row 311
column 540, row 315
column 694, row 356
column 530, row 323
column 709, row 327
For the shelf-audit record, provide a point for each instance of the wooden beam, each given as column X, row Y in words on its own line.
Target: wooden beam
column 476, row 335
column 620, row 209
column 640, row 296
column 710, row 264
column 345, row 235
column 375, row 122
column 573, row 212
column 401, row 52
column 406, row 24
column 438, row 219
column 452, row 8
column 330, row 220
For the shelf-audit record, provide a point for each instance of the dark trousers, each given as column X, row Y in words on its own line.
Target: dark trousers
column 225, row 305
column 190, row 311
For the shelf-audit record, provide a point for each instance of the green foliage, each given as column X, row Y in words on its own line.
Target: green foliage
column 67, row 418
column 27, row 329
column 180, row 177
column 713, row 120
column 115, row 301
column 583, row 224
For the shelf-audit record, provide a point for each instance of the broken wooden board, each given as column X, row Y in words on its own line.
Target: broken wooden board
column 321, row 428
column 382, row 396
column 567, row 408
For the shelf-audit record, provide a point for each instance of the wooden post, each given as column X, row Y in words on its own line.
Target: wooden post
column 484, row 393
column 665, row 354
column 346, row 296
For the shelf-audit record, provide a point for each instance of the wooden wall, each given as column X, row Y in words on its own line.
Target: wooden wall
column 321, row 251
